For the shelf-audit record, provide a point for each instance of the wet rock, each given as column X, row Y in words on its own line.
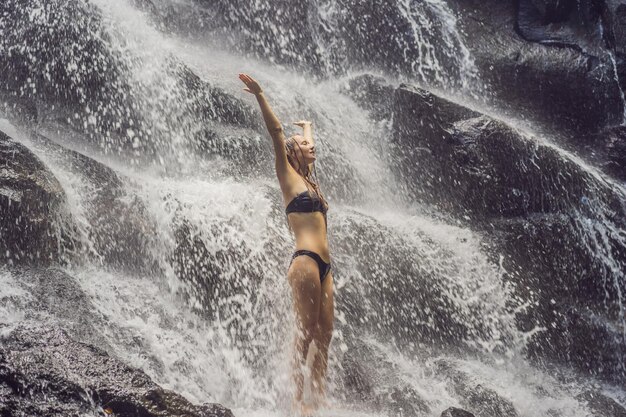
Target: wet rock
column 487, row 402
column 51, row 297
column 535, row 80
column 480, row 400
column 358, row 385
column 575, row 24
column 617, row 153
column 69, row 62
column 32, row 203
column 219, row 124
column 607, row 149
column 534, row 202
column 212, row 104
column 278, row 31
column 373, row 93
column 54, row 296
column 208, row 273
column 620, row 63
column 73, row 74
column 577, row 336
column 384, row 36
column 510, row 183
column 477, row 165
column 403, row 401
column 601, row 405
column 399, row 274
column 18, row 108
column 45, row 373
column 188, row 18
column 456, row 412
column 365, row 369
column 225, row 282
column 614, row 24
column 120, row 228
column 555, row 246
column 322, row 40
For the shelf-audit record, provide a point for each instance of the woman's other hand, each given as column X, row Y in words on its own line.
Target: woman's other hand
column 253, row 87
column 302, row 123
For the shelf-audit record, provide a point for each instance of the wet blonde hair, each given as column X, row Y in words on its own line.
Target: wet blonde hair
column 309, row 177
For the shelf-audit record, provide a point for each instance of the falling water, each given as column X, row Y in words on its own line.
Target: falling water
column 209, row 313
column 621, row 90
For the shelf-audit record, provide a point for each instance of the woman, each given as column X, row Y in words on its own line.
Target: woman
column 310, row 275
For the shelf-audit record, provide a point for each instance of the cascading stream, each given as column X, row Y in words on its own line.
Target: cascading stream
column 209, row 315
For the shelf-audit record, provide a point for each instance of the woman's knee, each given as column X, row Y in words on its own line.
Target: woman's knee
column 307, row 330
column 324, row 333
column 326, row 323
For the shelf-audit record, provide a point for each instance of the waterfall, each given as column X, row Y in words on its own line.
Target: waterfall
column 196, row 293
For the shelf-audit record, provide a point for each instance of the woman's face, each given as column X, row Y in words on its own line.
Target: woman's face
column 305, row 151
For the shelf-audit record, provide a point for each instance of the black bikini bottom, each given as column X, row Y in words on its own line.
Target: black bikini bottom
column 323, row 266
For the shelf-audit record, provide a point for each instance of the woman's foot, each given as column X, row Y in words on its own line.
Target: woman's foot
column 301, row 409
column 323, row 403
column 319, row 397
column 307, row 410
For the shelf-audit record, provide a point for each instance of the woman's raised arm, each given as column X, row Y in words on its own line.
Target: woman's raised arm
column 271, row 122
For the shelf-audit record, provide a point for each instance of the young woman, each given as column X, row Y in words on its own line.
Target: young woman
column 310, row 275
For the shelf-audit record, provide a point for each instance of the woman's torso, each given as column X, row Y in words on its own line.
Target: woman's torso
column 309, row 226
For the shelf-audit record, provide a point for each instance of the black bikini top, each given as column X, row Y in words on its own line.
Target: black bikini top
column 306, row 203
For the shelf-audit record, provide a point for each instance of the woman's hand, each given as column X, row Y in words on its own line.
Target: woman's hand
column 303, row 123
column 252, row 86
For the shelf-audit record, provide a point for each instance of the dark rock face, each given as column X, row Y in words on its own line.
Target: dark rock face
column 57, row 295
column 456, row 412
column 45, row 373
column 365, row 369
column 607, row 150
column 120, row 228
column 535, row 80
column 482, row 166
column 67, row 62
column 206, row 109
column 617, row 16
column 31, row 209
column 322, row 38
column 212, row 104
column 398, row 275
column 536, row 204
column 373, row 93
column 383, row 35
column 614, row 25
column 222, row 282
column 480, row 400
column 73, row 73
column 601, row 405
column 403, row 402
column 208, row 272
column 529, row 53
column 263, row 29
column 617, row 153
column 580, row 335
column 575, row 24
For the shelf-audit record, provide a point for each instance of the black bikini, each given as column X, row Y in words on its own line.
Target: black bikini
column 305, row 203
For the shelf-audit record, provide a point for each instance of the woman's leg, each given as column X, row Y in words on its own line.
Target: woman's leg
column 305, row 285
column 323, row 336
